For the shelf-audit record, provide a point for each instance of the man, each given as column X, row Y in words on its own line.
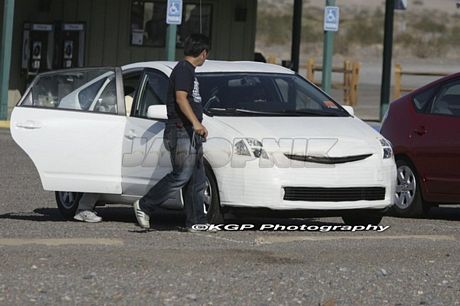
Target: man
column 183, row 138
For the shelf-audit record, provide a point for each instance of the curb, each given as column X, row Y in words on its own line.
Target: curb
column 4, row 124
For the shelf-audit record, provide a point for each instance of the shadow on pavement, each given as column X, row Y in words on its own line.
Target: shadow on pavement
column 450, row 213
column 39, row 215
column 444, row 213
column 173, row 220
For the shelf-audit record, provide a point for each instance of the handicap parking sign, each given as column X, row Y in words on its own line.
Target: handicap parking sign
column 331, row 18
column 174, row 12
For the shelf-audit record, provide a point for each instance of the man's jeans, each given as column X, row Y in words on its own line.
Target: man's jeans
column 187, row 174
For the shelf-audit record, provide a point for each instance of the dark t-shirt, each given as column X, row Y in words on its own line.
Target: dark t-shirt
column 183, row 79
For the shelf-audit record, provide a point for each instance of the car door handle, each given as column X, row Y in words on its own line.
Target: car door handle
column 28, row 125
column 420, row 131
column 131, row 134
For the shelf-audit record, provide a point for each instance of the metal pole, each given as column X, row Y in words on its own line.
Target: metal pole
column 171, row 42
column 387, row 54
column 5, row 56
column 296, row 31
column 327, row 55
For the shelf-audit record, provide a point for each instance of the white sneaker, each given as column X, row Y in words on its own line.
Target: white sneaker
column 142, row 218
column 87, row 216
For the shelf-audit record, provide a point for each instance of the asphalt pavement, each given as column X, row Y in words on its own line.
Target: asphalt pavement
column 46, row 260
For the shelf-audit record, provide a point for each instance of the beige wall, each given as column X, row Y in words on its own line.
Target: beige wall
column 108, row 25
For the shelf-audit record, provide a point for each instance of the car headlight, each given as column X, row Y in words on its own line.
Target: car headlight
column 387, row 148
column 247, row 145
column 240, row 148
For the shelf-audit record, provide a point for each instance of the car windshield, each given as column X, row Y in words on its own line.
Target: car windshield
column 264, row 94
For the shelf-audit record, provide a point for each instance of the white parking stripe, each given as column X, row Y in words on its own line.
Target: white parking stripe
column 60, row 241
column 216, row 236
column 284, row 239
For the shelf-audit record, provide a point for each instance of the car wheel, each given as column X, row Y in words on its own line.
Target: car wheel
column 67, row 203
column 363, row 218
column 408, row 198
column 212, row 206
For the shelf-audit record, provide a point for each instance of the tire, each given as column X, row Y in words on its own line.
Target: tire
column 67, row 203
column 363, row 218
column 408, row 197
column 212, row 207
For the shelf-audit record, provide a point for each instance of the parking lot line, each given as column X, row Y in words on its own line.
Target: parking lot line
column 285, row 239
column 60, row 241
column 4, row 124
column 215, row 236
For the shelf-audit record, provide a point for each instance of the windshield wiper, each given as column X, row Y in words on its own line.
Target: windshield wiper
column 317, row 113
column 234, row 111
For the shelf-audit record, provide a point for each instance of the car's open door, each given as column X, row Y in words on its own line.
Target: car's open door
column 71, row 124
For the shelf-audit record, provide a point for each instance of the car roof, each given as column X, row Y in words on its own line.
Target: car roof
column 211, row 66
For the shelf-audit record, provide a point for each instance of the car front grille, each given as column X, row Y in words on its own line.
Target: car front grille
column 317, row 194
column 327, row 160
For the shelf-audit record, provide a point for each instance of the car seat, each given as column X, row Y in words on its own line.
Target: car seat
column 445, row 105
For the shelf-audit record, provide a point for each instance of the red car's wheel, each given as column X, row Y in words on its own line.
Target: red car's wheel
column 408, row 198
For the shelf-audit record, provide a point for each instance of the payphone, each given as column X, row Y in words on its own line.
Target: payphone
column 70, row 45
column 37, row 48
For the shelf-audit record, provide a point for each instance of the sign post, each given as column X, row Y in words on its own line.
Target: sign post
column 331, row 25
column 173, row 18
column 387, row 55
column 5, row 56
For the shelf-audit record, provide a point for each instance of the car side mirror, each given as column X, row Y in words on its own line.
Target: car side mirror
column 157, row 112
column 349, row 109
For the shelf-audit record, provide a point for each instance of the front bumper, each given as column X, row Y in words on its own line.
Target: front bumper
column 258, row 187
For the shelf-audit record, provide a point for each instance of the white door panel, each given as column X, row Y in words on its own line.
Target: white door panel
column 72, row 150
column 145, row 159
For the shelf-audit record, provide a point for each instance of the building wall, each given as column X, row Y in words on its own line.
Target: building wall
column 108, row 32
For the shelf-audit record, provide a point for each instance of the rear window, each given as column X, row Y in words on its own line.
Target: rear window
column 92, row 90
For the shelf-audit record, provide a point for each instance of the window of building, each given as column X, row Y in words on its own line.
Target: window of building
column 148, row 22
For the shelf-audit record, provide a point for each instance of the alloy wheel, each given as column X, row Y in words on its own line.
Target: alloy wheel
column 207, row 196
column 406, row 187
column 68, row 199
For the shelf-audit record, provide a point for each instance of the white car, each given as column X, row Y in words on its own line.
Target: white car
column 275, row 140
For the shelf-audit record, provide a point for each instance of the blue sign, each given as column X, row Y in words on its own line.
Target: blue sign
column 174, row 12
column 331, row 18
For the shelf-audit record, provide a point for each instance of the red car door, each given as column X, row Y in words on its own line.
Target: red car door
column 436, row 140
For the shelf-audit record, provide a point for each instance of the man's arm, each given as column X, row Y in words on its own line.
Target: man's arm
column 186, row 109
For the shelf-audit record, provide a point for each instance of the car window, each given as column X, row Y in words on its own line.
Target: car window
column 153, row 91
column 283, row 87
column 106, row 102
column 423, row 99
column 264, row 93
column 131, row 83
column 447, row 102
column 87, row 95
column 83, row 90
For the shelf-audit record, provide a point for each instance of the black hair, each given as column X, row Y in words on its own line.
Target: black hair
column 195, row 44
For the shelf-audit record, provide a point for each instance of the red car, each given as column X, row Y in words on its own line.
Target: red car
column 424, row 128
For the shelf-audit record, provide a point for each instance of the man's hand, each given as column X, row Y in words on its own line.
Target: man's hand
column 200, row 129
column 181, row 98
